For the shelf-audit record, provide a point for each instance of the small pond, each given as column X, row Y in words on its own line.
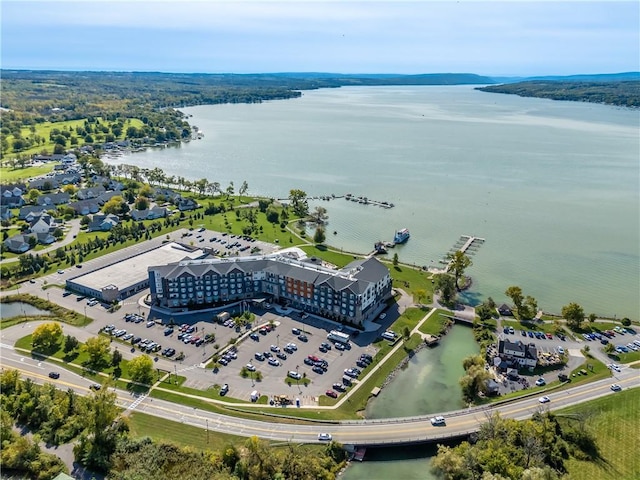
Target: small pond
column 14, row 309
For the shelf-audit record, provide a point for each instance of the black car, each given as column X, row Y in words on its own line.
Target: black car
column 361, row 364
column 318, row 369
column 308, row 361
column 303, row 338
column 255, row 336
column 281, row 355
column 54, row 375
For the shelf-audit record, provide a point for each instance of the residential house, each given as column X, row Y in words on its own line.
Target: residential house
column 44, row 183
column 56, row 157
column 5, row 213
column 518, row 354
column 149, row 214
column 29, row 212
column 17, row 244
column 185, row 204
column 11, row 195
column 106, row 196
column 167, row 193
column 45, row 238
column 69, row 177
column 42, row 224
column 85, row 207
column 49, row 199
column 92, row 192
column 102, row 222
column 107, row 182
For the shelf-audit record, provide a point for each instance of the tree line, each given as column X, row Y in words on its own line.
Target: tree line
column 104, row 444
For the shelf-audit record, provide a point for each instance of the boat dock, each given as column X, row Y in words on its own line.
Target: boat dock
column 467, row 244
column 367, row 201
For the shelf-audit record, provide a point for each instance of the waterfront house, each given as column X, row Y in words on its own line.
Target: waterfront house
column 106, row 196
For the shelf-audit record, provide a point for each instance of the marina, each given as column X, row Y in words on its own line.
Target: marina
column 466, row 244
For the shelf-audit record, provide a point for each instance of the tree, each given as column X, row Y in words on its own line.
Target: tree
column 46, row 337
column 458, row 263
column 574, row 315
column 142, row 203
column 298, row 199
column 395, row 259
column 97, row 349
column 319, row 237
column 484, row 312
column 626, row 322
column 33, row 195
column 116, row 358
column 243, row 188
column 516, row 296
column 116, row 205
column 272, row 215
column 70, row 343
column 445, row 284
column 319, row 216
column 141, row 369
column 230, row 189
column 592, row 317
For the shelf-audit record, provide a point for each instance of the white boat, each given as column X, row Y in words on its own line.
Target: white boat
column 401, row 236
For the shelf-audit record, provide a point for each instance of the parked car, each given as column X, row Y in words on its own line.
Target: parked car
column 250, row 367
column 331, row 393
column 224, row 390
column 303, row 338
column 540, row 382
column 294, row 375
column 259, row 356
column 274, row 362
column 281, row 355
column 318, row 370
column 295, row 331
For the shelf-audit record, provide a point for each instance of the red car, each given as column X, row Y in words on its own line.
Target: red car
column 549, row 336
column 331, row 393
column 313, row 358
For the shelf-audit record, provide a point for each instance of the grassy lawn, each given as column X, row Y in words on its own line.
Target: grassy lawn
column 336, row 258
column 614, row 422
column 436, row 323
column 534, row 326
column 409, row 319
column 11, row 175
column 624, row 357
column 159, row 429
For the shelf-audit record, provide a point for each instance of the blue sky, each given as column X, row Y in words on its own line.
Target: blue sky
column 491, row 38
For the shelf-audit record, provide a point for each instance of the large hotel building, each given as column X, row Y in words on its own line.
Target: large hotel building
column 352, row 294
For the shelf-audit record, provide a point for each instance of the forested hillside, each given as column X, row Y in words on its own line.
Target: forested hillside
column 622, row 93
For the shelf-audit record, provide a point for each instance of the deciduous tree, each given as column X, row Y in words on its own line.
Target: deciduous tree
column 458, row 263
column 97, row 349
column 574, row 315
column 46, row 337
column 141, row 369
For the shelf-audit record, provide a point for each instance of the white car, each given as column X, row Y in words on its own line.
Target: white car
column 292, row 346
column 540, row 382
column 561, row 350
column 274, row 361
column 294, row 375
column 615, row 387
column 436, row 421
column 544, row 399
column 324, row 437
column 251, row 368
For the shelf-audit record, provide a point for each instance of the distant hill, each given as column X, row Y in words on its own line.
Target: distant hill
column 621, row 89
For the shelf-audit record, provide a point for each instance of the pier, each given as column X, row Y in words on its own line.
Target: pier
column 467, row 244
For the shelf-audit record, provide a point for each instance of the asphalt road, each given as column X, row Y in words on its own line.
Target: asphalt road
column 363, row 432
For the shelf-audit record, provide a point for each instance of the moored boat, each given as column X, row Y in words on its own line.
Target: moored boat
column 401, row 236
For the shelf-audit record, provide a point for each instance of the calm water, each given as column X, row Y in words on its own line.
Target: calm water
column 428, row 385
column 14, row 309
column 552, row 186
column 430, row 382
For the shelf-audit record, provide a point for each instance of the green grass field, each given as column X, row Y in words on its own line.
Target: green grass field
column 436, row 323
column 11, row 175
column 615, row 421
column 44, row 129
column 159, row 429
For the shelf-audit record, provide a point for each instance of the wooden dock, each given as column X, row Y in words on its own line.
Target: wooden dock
column 467, row 244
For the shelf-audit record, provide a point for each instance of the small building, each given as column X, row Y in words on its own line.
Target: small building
column 85, row 207
column 149, row 213
column 185, row 204
column 88, row 193
column 51, row 199
column 44, row 223
column 30, row 212
column 17, row 243
column 505, row 310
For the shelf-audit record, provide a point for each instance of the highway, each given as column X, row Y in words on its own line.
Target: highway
column 357, row 432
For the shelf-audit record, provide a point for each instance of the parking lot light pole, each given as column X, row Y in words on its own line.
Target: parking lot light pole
column 85, row 313
column 277, row 339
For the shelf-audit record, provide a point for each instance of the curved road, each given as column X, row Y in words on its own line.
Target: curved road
column 357, row 432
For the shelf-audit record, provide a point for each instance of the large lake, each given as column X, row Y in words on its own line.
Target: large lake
column 553, row 187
